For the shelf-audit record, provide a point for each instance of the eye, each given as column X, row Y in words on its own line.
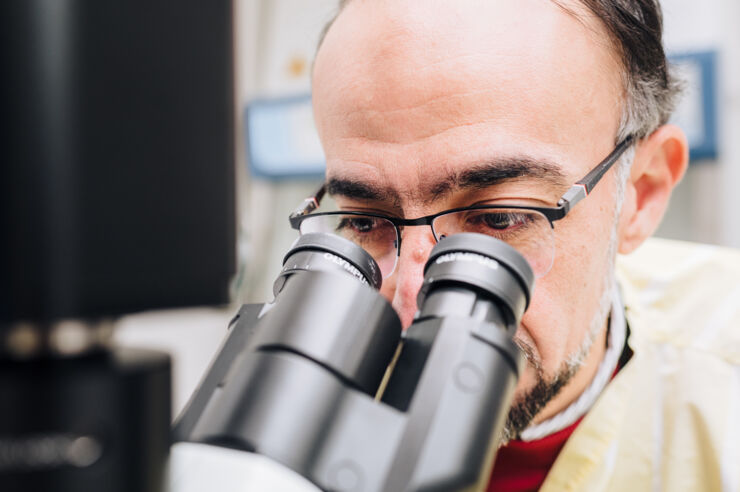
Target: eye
column 357, row 224
column 498, row 220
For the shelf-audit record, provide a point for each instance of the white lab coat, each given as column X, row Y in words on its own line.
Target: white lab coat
column 670, row 419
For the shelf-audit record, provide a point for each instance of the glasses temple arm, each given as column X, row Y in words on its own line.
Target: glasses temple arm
column 582, row 188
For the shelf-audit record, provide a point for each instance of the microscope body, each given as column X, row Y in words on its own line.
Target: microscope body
column 323, row 382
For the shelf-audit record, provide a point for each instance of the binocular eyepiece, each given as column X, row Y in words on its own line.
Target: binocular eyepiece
column 324, row 381
column 469, row 261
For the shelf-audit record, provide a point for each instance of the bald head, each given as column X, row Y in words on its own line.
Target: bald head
column 635, row 30
column 387, row 61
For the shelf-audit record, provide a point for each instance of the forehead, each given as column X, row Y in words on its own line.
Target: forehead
column 420, row 87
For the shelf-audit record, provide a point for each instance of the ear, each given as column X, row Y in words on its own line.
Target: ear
column 660, row 163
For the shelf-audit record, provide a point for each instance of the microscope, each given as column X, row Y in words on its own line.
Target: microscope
column 320, row 390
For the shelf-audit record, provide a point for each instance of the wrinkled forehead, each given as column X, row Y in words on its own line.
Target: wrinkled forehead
column 435, row 74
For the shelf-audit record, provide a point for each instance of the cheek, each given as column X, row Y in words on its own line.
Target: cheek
column 566, row 299
column 544, row 325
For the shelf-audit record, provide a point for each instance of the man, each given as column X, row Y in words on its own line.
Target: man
column 424, row 106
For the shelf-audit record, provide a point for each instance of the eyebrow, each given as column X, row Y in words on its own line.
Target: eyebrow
column 358, row 189
column 480, row 176
column 497, row 171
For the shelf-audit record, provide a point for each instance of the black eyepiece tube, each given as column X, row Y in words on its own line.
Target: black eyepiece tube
column 326, row 333
column 460, row 359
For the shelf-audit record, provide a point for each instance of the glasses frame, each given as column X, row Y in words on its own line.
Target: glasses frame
column 577, row 192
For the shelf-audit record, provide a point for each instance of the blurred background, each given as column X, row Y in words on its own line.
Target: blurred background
column 279, row 160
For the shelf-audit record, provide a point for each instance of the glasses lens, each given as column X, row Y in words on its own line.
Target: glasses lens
column 375, row 235
column 526, row 230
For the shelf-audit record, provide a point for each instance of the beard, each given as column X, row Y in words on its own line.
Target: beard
column 525, row 408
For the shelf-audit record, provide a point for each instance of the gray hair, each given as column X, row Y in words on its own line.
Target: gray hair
column 650, row 86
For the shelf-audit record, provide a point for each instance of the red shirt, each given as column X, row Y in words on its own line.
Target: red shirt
column 523, row 466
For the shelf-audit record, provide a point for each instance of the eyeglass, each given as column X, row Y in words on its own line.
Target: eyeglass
column 528, row 229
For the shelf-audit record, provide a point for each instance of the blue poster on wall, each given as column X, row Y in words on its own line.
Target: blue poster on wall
column 697, row 111
column 281, row 139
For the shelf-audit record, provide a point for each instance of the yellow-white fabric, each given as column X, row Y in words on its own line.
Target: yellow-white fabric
column 670, row 420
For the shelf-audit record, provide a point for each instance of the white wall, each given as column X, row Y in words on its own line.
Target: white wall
column 704, row 207
column 279, row 45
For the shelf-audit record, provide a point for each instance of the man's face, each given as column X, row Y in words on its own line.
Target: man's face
column 409, row 94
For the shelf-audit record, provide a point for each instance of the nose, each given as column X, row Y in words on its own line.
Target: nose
column 403, row 286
